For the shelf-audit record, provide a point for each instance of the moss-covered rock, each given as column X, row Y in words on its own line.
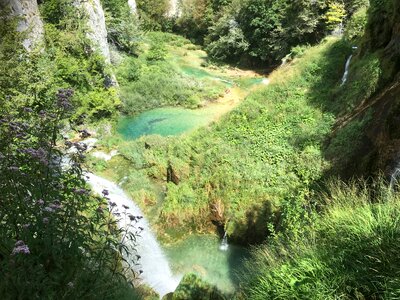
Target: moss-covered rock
column 194, row 288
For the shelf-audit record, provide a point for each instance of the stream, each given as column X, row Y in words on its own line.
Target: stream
column 156, row 270
column 164, row 266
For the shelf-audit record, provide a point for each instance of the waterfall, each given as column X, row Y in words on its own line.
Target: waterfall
column 224, row 244
column 174, row 9
column 132, row 6
column 156, row 271
column 346, row 70
column 394, row 178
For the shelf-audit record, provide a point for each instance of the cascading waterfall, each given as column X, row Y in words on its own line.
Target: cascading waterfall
column 224, row 244
column 346, row 70
column 156, row 270
column 394, row 178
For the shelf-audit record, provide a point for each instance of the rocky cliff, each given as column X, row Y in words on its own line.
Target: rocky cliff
column 30, row 21
column 380, row 149
column 97, row 26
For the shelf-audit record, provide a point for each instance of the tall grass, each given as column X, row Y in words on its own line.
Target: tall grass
column 350, row 252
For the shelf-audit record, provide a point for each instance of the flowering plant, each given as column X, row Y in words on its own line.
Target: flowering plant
column 56, row 238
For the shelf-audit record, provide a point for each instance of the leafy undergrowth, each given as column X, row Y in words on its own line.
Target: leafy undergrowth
column 155, row 78
column 349, row 252
column 245, row 172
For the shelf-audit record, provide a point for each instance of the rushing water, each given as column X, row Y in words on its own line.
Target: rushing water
column 201, row 254
column 394, row 177
column 153, row 262
column 164, row 121
column 224, row 243
column 346, row 70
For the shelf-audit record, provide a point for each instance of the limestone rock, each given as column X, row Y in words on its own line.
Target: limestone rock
column 97, row 25
column 30, row 20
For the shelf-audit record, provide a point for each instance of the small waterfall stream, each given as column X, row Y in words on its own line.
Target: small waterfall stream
column 346, row 70
column 394, row 178
column 156, row 270
column 224, row 243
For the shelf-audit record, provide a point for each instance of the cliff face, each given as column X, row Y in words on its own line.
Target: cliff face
column 30, row 20
column 97, row 26
column 380, row 149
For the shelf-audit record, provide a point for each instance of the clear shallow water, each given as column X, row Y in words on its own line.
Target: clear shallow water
column 200, row 254
column 164, row 121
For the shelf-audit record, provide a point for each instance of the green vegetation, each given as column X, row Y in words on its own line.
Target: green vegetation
column 154, row 79
column 270, row 147
column 348, row 252
column 70, row 61
column 56, row 240
column 251, row 31
column 258, row 173
column 192, row 287
column 122, row 25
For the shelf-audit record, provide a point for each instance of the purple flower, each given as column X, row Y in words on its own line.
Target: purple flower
column 81, row 191
column 125, row 206
column 20, row 247
column 113, row 204
column 105, row 192
column 63, row 98
column 55, row 206
column 42, row 113
column 13, row 168
column 40, row 202
column 132, row 218
column 26, row 226
column 45, row 220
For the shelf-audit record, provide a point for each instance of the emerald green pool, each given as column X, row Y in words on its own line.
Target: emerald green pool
column 164, row 121
column 200, row 254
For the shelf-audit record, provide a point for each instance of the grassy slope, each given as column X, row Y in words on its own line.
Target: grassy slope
column 349, row 252
column 243, row 171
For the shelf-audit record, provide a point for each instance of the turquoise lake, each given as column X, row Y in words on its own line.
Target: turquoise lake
column 200, row 254
column 164, row 121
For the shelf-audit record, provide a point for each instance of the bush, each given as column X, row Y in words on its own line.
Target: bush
column 348, row 252
column 192, row 287
column 56, row 239
column 122, row 26
column 356, row 25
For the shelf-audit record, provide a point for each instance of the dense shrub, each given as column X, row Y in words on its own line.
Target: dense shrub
column 347, row 253
column 154, row 80
column 122, row 25
column 56, row 239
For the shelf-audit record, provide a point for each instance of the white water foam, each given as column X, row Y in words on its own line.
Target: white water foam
column 153, row 262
